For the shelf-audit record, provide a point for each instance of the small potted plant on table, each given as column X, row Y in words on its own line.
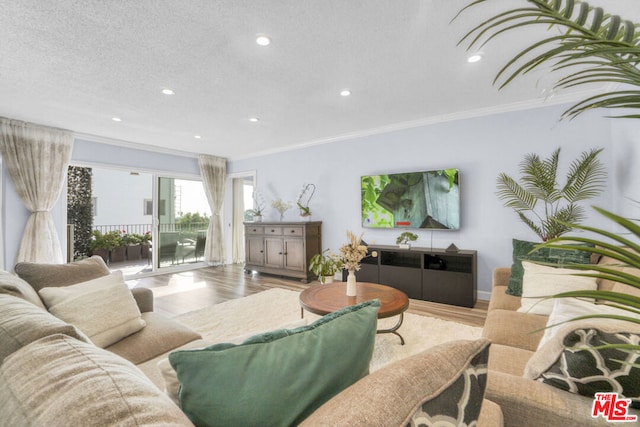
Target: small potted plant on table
column 404, row 239
column 325, row 265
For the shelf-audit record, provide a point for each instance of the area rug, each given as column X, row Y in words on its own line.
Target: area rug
column 276, row 307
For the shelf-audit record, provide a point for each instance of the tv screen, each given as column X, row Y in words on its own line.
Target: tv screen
column 427, row 199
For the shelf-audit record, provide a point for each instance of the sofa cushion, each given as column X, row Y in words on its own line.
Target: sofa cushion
column 508, row 359
column 500, row 300
column 614, row 264
column 573, row 361
column 514, row 329
column 52, row 275
column 59, row 380
column 160, row 335
column 531, row 403
column 522, row 250
column 277, row 378
column 13, row 285
column 102, row 308
column 626, row 289
column 21, row 323
column 441, row 386
column 540, row 281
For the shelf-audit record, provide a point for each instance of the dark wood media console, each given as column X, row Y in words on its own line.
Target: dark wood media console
column 426, row 274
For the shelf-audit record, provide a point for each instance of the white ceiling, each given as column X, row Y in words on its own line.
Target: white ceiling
column 76, row 64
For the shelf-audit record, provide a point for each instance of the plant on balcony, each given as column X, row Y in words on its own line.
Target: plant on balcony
column 146, row 244
column 117, row 245
column 133, row 242
column 79, row 209
column 99, row 245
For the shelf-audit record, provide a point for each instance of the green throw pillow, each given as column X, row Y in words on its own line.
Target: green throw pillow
column 522, row 252
column 278, row 378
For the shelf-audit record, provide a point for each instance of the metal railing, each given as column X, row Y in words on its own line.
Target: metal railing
column 144, row 228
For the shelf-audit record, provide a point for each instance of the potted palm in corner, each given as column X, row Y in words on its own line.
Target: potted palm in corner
column 542, row 203
column 325, row 265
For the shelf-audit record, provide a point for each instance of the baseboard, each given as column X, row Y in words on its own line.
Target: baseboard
column 484, row 295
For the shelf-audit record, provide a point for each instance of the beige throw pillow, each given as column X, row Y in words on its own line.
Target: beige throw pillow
column 60, row 381
column 540, row 281
column 103, row 308
column 566, row 309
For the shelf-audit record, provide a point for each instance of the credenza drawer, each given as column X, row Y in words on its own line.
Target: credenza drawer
column 293, row 231
column 273, row 231
column 255, row 230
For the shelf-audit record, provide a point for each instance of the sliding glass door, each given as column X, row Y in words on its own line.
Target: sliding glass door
column 183, row 219
column 138, row 222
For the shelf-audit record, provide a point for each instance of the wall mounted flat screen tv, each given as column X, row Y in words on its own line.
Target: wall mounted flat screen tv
column 426, row 199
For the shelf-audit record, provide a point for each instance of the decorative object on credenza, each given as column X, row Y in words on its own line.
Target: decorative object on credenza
column 351, row 254
column 281, row 206
column 404, row 239
column 325, row 265
column 258, row 207
column 452, row 248
column 304, row 198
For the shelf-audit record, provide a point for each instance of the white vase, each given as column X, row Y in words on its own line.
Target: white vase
column 351, row 284
column 257, row 218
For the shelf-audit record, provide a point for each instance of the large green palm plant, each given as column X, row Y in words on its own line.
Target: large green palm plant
column 591, row 47
column 541, row 202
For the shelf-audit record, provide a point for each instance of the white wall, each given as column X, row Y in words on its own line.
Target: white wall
column 120, row 197
column 626, row 173
column 479, row 147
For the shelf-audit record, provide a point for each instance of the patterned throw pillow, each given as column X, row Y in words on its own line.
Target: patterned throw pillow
column 442, row 386
column 585, row 369
column 460, row 403
column 522, row 251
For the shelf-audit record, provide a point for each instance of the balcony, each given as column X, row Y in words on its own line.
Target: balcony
column 178, row 244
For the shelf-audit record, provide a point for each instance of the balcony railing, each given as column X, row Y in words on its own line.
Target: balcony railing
column 184, row 243
column 145, row 228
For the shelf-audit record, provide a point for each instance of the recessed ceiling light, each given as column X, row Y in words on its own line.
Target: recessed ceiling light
column 197, row 136
column 254, row 119
column 116, row 119
column 345, row 92
column 168, row 92
column 475, row 57
column 263, row 40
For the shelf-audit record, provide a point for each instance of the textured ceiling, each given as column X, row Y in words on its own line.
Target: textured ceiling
column 76, row 64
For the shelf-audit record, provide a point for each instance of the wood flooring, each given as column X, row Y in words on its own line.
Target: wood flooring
column 180, row 292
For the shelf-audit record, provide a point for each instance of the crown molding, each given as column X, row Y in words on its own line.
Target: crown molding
column 135, row 145
column 441, row 118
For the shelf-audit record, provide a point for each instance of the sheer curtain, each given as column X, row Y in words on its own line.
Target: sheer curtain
column 37, row 158
column 214, row 173
column 237, row 248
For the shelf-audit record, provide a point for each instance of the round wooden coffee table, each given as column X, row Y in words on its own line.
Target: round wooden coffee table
column 325, row 299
